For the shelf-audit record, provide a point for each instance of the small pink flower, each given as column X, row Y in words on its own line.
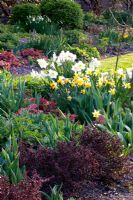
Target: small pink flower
column 101, row 119
column 52, row 104
column 32, row 106
column 73, row 117
column 44, row 101
column 20, row 111
column 32, row 99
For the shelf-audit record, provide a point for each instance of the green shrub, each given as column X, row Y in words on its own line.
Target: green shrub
column 85, row 52
column 66, row 13
column 75, row 36
column 22, row 11
column 91, row 18
column 91, row 51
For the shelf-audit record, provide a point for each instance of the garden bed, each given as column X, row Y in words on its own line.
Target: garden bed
column 66, row 123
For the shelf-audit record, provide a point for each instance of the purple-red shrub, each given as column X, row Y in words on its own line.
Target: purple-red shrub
column 4, row 187
column 96, row 157
column 108, row 150
column 28, row 189
column 68, row 164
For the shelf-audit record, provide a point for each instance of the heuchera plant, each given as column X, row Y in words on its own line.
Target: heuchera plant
column 5, row 65
column 33, row 53
column 44, row 106
column 9, row 60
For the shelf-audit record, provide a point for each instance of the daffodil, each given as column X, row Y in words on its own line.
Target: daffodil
column 125, row 35
column 38, row 75
column 42, row 63
column 97, row 72
column 89, row 71
column 67, row 80
column 87, row 84
column 100, row 82
column 78, row 67
column 83, row 91
column 73, row 84
column 69, row 98
column 80, row 82
column 96, row 114
column 113, row 72
column 53, row 85
column 120, row 72
column 129, row 72
column 85, row 78
column 64, row 57
column 95, row 63
column 111, row 83
column 61, row 80
column 127, row 85
column 112, row 91
column 52, row 74
column 76, row 75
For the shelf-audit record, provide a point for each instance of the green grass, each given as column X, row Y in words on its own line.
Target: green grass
column 125, row 61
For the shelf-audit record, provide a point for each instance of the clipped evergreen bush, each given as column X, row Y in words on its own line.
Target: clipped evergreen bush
column 22, row 11
column 66, row 13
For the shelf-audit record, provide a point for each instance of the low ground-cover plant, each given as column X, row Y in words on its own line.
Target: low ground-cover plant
column 9, row 38
column 31, row 124
column 43, row 129
column 33, row 53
